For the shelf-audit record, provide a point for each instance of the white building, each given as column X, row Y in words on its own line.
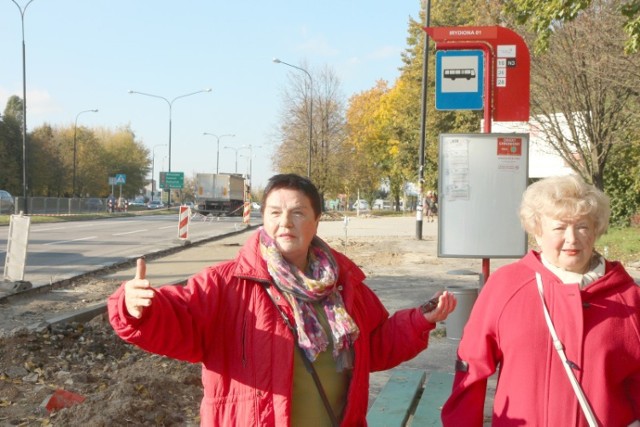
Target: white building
column 544, row 161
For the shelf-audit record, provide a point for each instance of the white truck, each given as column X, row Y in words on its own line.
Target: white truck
column 219, row 194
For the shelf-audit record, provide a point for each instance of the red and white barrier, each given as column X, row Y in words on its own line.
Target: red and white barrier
column 246, row 214
column 183, row 222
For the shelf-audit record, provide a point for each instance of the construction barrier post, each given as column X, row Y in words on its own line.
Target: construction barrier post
column 183, row 222
column 246, row 214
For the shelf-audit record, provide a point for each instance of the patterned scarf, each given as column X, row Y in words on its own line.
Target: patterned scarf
column 302, row 289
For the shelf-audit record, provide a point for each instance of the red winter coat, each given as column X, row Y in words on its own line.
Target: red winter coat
column 598, row 325
column 224, row 319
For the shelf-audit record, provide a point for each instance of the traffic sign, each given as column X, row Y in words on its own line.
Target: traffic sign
column 171, row 180
column 121, row 179
column 459, row 80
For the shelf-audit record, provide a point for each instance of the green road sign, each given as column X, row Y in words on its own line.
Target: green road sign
column 171, row 180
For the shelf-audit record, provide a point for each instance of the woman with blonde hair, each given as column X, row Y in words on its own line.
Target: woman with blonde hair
column 561, row 325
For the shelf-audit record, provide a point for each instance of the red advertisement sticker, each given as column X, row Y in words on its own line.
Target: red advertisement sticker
column 509, row 146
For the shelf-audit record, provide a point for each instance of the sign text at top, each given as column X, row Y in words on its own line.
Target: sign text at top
column 171, row 180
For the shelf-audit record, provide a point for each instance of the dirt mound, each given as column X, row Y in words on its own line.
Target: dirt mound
column 122, row 384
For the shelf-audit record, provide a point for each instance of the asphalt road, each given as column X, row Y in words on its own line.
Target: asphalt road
column 58, row 251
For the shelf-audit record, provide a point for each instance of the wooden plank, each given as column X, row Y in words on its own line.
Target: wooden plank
column 394, row 402
column 436, row 392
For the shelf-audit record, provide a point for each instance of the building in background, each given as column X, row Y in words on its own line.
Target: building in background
column 544, row 161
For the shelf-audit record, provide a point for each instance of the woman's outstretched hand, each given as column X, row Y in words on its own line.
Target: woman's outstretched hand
column 446, row 304
column 137, row 292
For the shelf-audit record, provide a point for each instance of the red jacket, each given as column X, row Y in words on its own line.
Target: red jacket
column 224, row 319
column 598, row 325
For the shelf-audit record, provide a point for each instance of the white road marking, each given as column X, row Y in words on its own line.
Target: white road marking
column 129, row 232
column 60, row 242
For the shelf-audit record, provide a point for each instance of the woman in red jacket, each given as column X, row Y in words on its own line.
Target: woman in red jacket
column 287, row 333
column 562, row 325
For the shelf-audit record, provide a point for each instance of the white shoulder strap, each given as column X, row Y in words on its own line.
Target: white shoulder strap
column 586, row 409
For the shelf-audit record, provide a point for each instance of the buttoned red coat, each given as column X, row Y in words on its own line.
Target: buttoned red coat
column 599, row 326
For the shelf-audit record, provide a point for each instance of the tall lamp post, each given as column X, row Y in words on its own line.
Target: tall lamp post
column 153, row 165
column 236, row 150
column 218, row 147
column 248, row 172
column 170, row 104
column 24, row 107
column 277, row 61
column 251, row 147
column 75, row 133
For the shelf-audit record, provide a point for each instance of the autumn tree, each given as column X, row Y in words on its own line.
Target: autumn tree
column 295, row 149
column 188, row 193
column 384, row 122
column 407, row 92
column 585, row 80
column 328, row 155
column 371, row 153
column 117, row 152
column 299, row 98
column 585, row 93
column 51, row 162
column 622, row 182
column 543, row 17
column 11, row 146
column 100, row 153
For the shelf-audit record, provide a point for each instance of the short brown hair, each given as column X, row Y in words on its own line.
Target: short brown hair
column 294, row 182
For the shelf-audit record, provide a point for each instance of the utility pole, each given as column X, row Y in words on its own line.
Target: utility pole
column 423, row 125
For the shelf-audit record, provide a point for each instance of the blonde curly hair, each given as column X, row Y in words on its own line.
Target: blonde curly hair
column 563, row 197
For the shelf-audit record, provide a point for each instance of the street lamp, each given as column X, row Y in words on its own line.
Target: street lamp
column 277, row 61
column 218, row 147
column 75, row 132
column 170, row 104
column 153, row 165
column 250, row 147
column 24, row 108
column 236, row 150
column 248, row 165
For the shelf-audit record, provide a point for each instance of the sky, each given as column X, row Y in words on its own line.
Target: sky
column 88, row 54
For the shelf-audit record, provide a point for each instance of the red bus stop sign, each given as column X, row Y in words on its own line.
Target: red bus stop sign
column 508, row 61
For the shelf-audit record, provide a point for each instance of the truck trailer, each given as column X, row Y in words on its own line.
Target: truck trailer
column 219, row 194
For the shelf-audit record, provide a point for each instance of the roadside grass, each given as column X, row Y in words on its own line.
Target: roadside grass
column 622, row 244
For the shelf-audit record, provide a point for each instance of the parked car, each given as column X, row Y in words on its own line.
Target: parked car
column 6, row 203
column 381, row 204
column 362, row 205
column 155, row 204
column 94, row 204
column 138, row 201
